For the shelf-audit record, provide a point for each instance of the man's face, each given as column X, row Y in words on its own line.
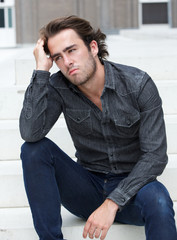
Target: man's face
column 73, row 58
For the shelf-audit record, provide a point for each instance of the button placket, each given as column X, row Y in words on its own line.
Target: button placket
column 105, row 130
column 104, row 186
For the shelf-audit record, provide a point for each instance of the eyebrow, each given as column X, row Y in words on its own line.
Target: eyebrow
column 66, row 49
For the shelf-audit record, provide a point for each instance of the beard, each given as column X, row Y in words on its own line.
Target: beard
column 86, row 72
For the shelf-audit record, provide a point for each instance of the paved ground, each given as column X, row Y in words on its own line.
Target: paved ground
column 153, row 49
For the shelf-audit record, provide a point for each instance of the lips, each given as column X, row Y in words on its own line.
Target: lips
column 72, row 71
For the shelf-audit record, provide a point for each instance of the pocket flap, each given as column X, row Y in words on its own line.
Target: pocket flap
column 127, row 119
column 78, row 115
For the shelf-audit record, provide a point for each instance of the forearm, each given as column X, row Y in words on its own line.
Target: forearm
column 129, row 186
column 37, row 116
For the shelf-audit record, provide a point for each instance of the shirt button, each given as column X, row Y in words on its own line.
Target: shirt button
column 105, row 181
column 128, row 122
column 78, row 119
column 123, row 199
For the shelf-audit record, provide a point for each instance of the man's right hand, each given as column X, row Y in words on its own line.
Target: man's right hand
column 43, row 62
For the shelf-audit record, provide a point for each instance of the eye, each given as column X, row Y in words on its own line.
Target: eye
column 71, row 50
column 57, row 58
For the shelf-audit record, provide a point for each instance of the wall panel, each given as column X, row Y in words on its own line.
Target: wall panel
column 109, row 15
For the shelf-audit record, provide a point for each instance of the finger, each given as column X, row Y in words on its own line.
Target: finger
column 103, row 234
column 39, row 40
column 86, row 229
column 37, row 45
column 49, row 58
column 97, row 232
column 91, row 232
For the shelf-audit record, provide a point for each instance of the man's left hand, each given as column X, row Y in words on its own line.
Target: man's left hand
column 101, row 220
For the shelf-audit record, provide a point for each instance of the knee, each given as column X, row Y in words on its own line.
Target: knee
column 30, row 151
column 156, row 198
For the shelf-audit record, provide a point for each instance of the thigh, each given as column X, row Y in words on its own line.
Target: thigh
column 131, row 214
column 80, row 190
column 147, row 199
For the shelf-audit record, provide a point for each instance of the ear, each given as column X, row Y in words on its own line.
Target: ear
column 94, row 48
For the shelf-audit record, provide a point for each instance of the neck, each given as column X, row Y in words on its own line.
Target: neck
column 94, row 87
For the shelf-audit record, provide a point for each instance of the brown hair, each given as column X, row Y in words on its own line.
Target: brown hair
column 82, row 27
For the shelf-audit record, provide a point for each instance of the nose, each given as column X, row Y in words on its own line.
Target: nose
column 67, row 61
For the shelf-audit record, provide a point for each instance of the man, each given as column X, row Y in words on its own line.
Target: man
column 115, row 118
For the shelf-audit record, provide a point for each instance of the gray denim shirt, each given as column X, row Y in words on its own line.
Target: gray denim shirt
column 127, row 136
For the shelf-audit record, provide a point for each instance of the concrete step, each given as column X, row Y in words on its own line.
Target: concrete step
column 151, row 51
column 155, row 65
column 11, row 99
column 16, row 224
column 13, row 192
column 11, row 102
column 24, row 68
column 169, row 176
column 171, row 131
column 12, row 186
column 10, row 140
column 150, row 32
column 167, row 90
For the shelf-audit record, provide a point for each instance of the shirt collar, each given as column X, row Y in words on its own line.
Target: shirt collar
column 109, row 77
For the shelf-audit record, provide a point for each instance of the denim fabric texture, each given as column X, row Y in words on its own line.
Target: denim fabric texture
column 52, row 178
column 126, row 137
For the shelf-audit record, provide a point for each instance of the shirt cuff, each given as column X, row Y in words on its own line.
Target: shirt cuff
column 119, row 199
column 40, row 76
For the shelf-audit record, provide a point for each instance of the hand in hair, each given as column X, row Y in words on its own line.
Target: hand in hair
column 43, row 62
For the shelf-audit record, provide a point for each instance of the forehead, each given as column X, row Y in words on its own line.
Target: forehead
column 63, row 39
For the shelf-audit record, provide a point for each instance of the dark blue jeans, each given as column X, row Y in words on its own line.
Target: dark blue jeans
column 52, row 178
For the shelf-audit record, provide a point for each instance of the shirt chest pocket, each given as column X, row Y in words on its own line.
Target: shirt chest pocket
column 127, row 124
column 79, row 121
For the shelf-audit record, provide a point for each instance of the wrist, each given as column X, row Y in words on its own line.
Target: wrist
column 42, row 68
column 112, row 204
column 44, row 65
